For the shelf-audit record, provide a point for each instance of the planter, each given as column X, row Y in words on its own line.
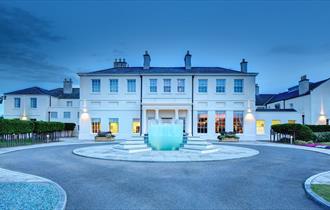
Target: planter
column 103, row 139
column 230, row 139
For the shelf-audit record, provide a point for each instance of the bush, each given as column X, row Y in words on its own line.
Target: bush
column 47, row 127
column 322, row 137
column 300, row 132
column 106, row 134
column 319, row 128
column 227, row 135
column 300, row 142
column 15, row 126
column 69, row 126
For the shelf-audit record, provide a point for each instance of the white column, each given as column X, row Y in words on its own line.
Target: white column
column 229, row 120
column 157, row 115
column 144, row 121
column 176, row 115
column 188, row 122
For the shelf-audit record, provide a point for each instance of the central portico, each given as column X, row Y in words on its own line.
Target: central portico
column 167, row 113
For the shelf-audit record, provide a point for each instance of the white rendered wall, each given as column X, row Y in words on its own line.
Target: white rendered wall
column 320, row 103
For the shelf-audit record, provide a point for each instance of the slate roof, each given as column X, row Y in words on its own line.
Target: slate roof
column 275, row 110
column 262, row 99
column 165, row 70
column 293, row 92
column 58, row 92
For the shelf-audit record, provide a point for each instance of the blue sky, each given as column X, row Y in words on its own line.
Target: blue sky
column 43, row 42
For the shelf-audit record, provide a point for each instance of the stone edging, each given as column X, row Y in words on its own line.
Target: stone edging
column 18, row 177
column 312, row 194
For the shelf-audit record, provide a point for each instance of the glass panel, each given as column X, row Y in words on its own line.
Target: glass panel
column 202, row 122
column 167, row 85
column 181, row 85
column 33, row 102
column 114, row 125
column 153, row 85
column 220, row 85
column 220, row 121
column 96, row 125
column 17, row 102
column 202, row 85
column 53, row 115
column 276, row 122
column 131, row 85
column 238, row 121
column 67, row 115
column 96, row 85
column 136, row 125
column 260, row 124
column 69, row 103
column 113, row 85
column 238, row 85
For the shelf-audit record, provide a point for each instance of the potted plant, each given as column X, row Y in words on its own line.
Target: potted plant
column 104, row 136
column 228, row 136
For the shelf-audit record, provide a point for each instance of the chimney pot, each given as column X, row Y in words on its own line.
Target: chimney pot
column 303, row 85
column 187, row 60
column 244, row 65
column 146, row 60
column 67, row 86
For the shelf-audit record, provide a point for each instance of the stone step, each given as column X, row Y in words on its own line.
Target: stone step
column 147, row 149
column 207, row 151
column 131, row 146
column 132, row 142
column 198, row 147
column 198, row 142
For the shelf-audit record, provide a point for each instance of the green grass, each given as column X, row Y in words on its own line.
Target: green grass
column 322, row 190
column 327, row 143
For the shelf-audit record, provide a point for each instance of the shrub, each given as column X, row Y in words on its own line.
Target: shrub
column 106, row 134
column 301, row 132
column 69, row 126
column 319, row 128
column 227, row 135
column 300, row 142
column 15, row 126
column 47, row 127
column 322, row 137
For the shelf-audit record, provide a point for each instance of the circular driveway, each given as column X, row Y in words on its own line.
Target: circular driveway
column 271, row 180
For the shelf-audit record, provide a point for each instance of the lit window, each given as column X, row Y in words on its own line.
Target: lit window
column 96, row 85
column 153, row 85
column 69, row 103
column 136, row 125
column 167, row 85
column 238, row 121
column 53, row 115
column 260, row 124
column 17, row 102
column 276, row 122
column 181, row 85
column 291, row 121
column 220, row 85
column 202, row 85
column 96, row 125
column 202, row 122
column 66, row 115
column 113, row 85
column 33, row 103
column 114, row 125
column 238, row 86
column 220, row 121
column 131, row 85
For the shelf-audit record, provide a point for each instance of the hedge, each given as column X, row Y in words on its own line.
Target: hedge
column 15, row 127
column 69, row 126
column 319, row 128
column 47, row 127
column 299, row 131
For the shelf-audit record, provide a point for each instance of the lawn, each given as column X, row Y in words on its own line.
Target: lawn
column 322, row 190
column 327, row 143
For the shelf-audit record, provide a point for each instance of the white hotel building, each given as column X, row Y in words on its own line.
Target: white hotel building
column 206, row 100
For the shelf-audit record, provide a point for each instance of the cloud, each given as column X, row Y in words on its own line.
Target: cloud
column 301, row 50
column 21, row 57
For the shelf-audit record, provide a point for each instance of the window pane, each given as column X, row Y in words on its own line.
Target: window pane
column 17, row 102
column 238, row 86
column 276, row 122
column 260, row 124
column 136, row 125
column 202, row 85
column 67, row 115
column 96, row 125
column 220, row 85
column 113, row 85
column 96, row 85
column 181, row 85
column 167, row 85
column 220, row 121
column 69, row 103
column 202, row 122
column 53, row 115
column 131, row 85
column 153, row 85
column 33, row 102
column 238, row 121
column 114, row 125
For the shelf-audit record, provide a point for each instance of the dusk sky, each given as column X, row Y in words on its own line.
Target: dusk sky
column 41, row 43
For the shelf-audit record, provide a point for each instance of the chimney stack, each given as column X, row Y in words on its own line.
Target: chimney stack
column 244, row 66
column 187, row 60
column 146, row 60
column 119, row 63
column 67, row 86
column 257, row 89
column 303, row 85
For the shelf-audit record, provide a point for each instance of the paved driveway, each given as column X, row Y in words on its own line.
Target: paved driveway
column 271, row 180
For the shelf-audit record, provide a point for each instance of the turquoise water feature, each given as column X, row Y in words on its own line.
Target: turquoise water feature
column 165, row 136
